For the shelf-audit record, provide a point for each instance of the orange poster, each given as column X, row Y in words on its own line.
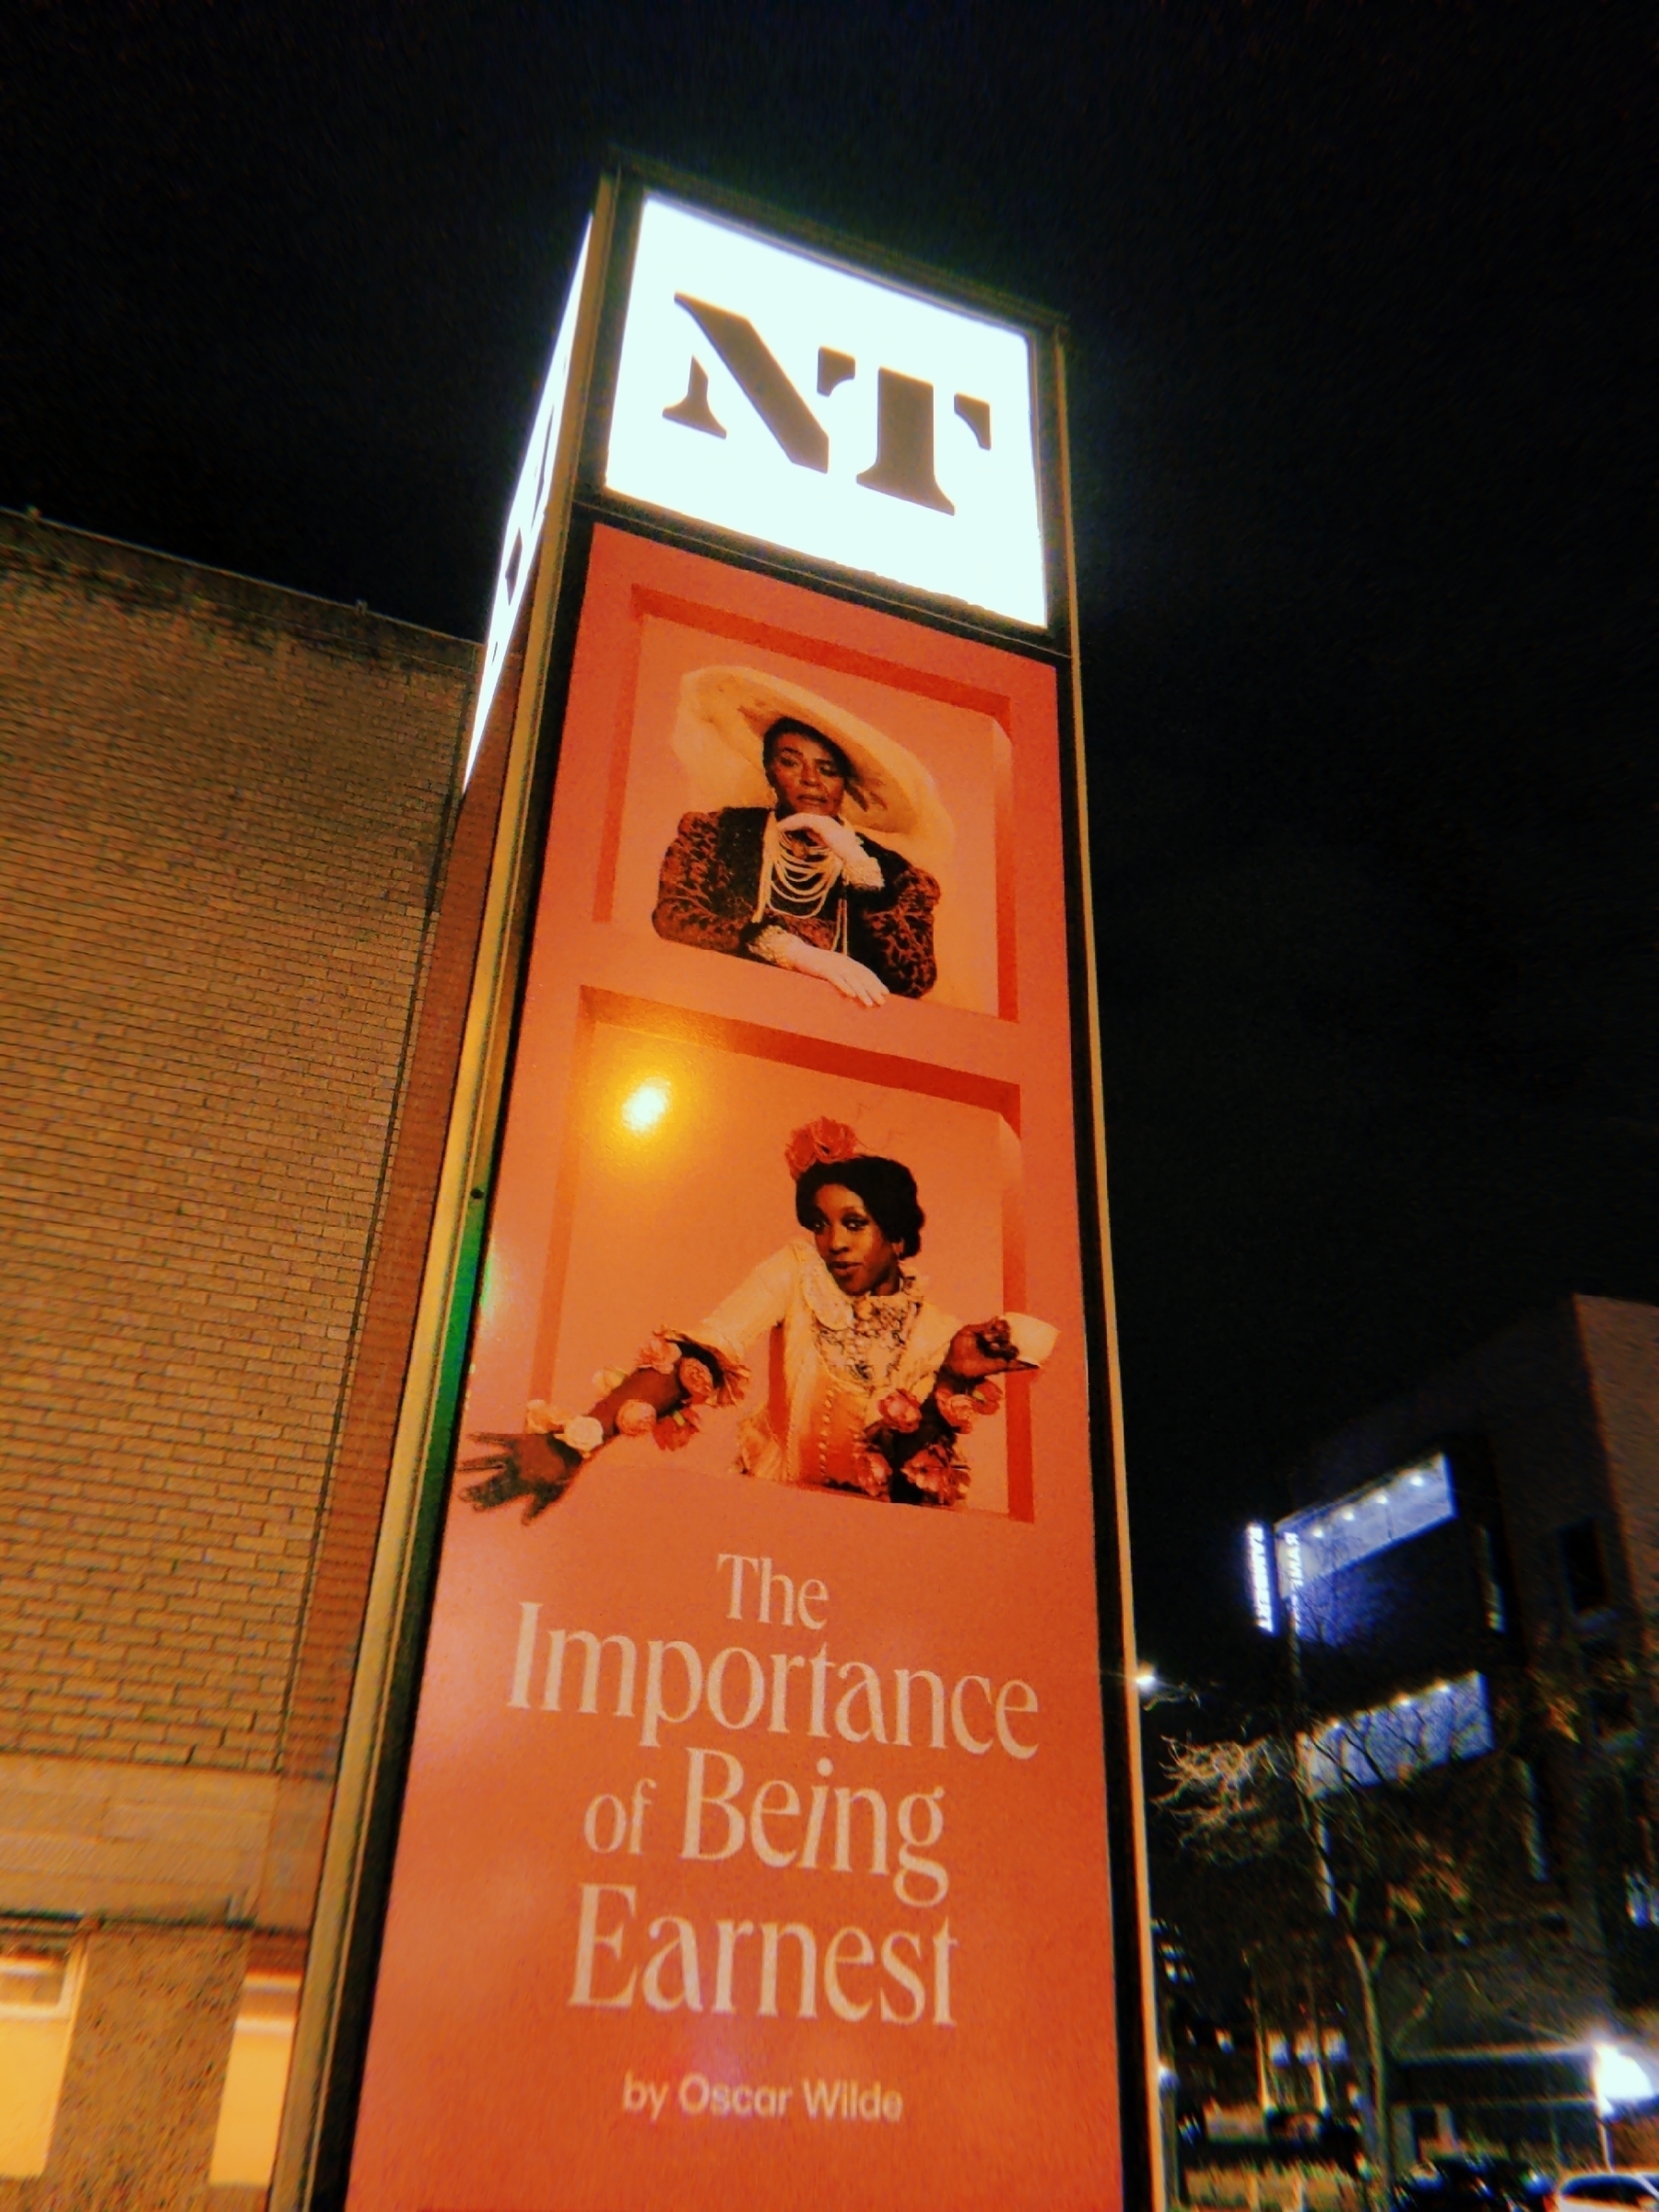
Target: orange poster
column 753, row 1849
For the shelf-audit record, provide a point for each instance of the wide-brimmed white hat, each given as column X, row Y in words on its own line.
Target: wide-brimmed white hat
column 720, row 730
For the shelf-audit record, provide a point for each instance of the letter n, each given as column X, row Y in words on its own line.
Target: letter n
column 771, row 1935
column 762, row 382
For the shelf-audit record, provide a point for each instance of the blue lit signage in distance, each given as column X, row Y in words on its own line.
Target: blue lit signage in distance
column 778, row 396
column 1260, row 1577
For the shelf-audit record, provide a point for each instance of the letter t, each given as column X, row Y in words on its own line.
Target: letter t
column 737, row 1561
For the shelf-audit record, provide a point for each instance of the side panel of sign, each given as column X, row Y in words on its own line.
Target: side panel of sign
column 529, row 510
column 755, row 1812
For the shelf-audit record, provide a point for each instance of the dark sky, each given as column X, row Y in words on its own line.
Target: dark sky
column 1364, row 388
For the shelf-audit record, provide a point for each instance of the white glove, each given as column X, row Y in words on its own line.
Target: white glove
column 859, row 865
column 850, row 978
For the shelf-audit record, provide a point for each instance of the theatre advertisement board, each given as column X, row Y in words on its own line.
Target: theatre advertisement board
column 756, row 1842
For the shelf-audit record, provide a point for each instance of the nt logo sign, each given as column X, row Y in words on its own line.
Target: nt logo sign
column 903, row 466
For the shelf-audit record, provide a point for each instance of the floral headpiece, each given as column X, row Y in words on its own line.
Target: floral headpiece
column 816, row 1144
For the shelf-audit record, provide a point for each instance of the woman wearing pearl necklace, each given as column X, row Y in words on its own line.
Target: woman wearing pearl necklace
column 795, row 883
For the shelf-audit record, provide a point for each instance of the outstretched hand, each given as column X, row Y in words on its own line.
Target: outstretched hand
column 982, row 1348
column 528, row 1466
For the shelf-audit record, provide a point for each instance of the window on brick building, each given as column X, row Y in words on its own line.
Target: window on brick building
column 244, row 2146
column 1610, row 1678
column 1583, row 1566
column 40, row 1983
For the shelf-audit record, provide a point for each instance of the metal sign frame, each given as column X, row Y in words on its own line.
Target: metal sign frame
column 314, row 2160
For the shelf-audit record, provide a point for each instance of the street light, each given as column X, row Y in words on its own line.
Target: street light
column 1619, row 2079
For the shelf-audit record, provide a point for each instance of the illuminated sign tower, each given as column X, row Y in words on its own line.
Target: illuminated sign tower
column 728, row 1783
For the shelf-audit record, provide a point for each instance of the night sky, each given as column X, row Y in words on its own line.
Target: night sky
column 1364, row 389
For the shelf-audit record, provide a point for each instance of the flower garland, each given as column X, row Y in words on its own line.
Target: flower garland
column 820, row 1143
column 703, row 1379
column 911, row 1456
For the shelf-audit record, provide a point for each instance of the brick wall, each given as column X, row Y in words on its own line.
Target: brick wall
column 223, row 804
column 321, row 1689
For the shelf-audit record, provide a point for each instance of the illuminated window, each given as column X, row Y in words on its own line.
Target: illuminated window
column 39, row 1987
column 1319, row 1543
column 1393, row 1742
column 1497, row 1617
column 244, row 2149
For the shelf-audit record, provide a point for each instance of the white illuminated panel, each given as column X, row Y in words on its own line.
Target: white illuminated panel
column 1393, row 1742
column 1621, row 2079
column 1260, row 1577
column 529, row 509
column 827, row 414
column 1326, row 1538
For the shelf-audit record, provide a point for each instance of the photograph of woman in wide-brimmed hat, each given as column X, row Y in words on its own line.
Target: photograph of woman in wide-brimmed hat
column 817, row 844
column 876, row 1388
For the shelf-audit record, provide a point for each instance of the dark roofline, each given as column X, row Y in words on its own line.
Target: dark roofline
column 160, row 576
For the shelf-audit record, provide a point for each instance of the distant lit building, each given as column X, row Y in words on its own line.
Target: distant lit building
column 1475, row 1567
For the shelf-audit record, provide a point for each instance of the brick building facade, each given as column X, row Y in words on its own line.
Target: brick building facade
column 230, row 1015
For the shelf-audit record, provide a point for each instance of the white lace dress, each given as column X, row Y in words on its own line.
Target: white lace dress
column 831, row 1361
